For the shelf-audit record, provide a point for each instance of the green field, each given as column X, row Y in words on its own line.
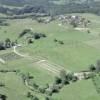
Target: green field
column 80, row 49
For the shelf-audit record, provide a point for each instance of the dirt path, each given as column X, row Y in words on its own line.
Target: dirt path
column 49, row 66
column 81, row 29
column 2, row 61
column 43, row 63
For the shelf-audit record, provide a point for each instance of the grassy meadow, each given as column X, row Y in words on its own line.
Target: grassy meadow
column 80, row 49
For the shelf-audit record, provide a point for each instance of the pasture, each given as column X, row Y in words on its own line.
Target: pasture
column 45, row 57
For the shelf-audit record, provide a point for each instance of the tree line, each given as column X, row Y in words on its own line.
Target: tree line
column 7, row 43
column 50, row 8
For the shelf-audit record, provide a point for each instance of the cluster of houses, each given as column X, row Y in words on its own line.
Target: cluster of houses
column 45, row 19
column 74, row 20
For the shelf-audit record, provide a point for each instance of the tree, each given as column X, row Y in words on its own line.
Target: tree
column 41, row 90
column 37, row 36
column 29, row 94
column 35, row 86
column 25, row 31
column 61, row 42
column 88, row 31
column 70, row 76
column 92, row 68
column 3, row 97
column 2, row 47
column 55, row 40
column 7, row 43
column 58, row 80
column 30, row 41
column 2, row 84
column 63, row 77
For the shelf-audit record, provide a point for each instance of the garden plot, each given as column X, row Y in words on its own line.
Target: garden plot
column 49, row 66
column 9, row 56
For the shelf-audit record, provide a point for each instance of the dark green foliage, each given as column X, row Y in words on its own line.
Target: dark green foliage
column 2, row 84
column 61, row 42
column 5, row 71
column 47, row 98
column 41, row 90
column 3, row 97
column 26, row 31
column 88, row 31
column 38, row 35
column 30, row 41
column 35, row 86
column 29, row 95
column 55, row 40
column 3, row 23
column 32, row 36
column 7, row 43
column 92, row 68
column 96, row 67
column 58, row 80
column 2, row 46
column 63, row 76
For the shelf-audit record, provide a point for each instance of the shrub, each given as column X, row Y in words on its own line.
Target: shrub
column 92, row 68
column 24, row 32
column 30, row 41
column 41, row 90
column 2, row 84
column 3, row 97
column 64, row 77
column 39, row 35
column 29, row 94
column 55, row 40
column 58, row 80
column 35, row 86
column 7, row 43
column 2, row 47
column 61, row 42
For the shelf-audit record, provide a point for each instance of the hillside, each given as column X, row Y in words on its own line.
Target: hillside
column 49, row 49
column 52, row 7
column 23, row 2
column 64, row 47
